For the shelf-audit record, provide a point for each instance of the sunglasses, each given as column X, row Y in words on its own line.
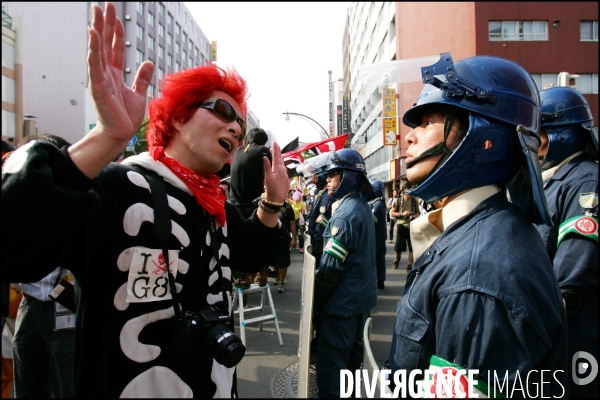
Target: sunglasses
column 333, row 173
column 225, row 111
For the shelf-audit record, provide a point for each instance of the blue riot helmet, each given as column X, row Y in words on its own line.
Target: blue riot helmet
column 568, row 122
column 377, row 188
column 316, row 166
column 501, row 103
column 354, row 173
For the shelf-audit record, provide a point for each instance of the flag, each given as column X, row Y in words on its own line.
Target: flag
column 330, row 144
column 291, row 161
column 291, row 146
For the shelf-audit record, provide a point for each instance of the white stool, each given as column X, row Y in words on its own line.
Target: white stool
column 265, row 291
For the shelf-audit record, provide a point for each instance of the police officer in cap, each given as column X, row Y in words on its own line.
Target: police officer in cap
column 347, row 271
column 569, row 162
column 481, row 294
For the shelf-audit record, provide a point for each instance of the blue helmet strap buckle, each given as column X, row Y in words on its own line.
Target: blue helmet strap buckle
column 526, row 190
column 455, row 85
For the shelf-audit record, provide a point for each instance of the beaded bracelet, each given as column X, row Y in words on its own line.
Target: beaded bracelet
column 265, row 207
column 271, row 203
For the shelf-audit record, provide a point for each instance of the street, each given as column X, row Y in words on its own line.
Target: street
column 268, row 370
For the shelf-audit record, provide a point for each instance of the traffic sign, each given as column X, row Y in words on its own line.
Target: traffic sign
column 132, row 142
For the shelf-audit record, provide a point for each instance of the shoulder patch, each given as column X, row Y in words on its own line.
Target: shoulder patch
column 322, row 209
column 581, row 225
column 588, row 200
column 334, row 230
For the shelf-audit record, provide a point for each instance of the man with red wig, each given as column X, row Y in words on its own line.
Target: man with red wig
column 154, row 312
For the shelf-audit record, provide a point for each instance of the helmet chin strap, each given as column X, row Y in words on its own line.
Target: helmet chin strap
column 439, row 148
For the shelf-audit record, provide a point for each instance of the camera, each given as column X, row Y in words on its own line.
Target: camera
column 208, row 328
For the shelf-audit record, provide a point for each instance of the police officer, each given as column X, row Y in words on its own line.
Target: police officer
column 481, row 294
column 569, row 156
column 349, row 256
column 378, row 210
column 321, row 210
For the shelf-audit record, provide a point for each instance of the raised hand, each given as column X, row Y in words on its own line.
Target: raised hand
column 120, row 109
column 276, row 178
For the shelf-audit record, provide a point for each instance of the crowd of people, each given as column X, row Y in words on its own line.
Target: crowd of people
column 126, row 291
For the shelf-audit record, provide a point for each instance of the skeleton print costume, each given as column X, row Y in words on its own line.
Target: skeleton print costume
column 103, row 231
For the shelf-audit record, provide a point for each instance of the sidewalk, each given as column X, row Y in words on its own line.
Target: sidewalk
column 268, row 370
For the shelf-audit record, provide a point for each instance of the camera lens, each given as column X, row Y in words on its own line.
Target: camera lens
column 226, row 346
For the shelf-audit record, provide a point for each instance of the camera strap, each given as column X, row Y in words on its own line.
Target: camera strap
column 215, row 246
column 162, row 225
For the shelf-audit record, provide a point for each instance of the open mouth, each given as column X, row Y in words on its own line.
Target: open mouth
column 225, row 144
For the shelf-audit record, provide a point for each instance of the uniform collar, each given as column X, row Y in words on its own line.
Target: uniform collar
column 424, row 230
column 335, row 205
column 549, row 173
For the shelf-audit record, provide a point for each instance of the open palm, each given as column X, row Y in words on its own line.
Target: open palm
column 120, row 109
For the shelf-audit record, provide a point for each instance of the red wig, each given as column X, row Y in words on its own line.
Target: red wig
column 181, row 92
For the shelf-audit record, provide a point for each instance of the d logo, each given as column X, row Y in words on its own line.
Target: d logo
column 582, row 367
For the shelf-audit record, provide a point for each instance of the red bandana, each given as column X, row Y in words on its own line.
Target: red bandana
column 207, row 191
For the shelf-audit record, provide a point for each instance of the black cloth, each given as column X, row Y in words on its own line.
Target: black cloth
column 402, row 239
column 286, row 216
column 97, row 229
column 248, row 174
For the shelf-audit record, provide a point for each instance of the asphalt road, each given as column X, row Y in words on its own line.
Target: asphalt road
column 268, row 369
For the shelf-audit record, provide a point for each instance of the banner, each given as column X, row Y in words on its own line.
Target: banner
column 345, row 117
column 390, row 130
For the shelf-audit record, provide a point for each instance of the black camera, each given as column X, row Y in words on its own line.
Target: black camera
column 208, row 328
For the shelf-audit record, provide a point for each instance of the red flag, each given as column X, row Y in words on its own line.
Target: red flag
column 331, row 144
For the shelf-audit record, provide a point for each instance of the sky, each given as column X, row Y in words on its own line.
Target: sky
column 284, row 52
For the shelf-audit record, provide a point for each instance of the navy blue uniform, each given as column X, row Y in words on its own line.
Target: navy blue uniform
column 317, row 221
column 484, row 296
column 350, row 252
column 379, row 211
column 572, row 244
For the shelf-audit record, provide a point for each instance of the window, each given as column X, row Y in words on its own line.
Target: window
column 183, row 57
column 169, row 61
column 543, row 80
column 177, row 29
column 176, row 66
column 140, row 8
column 161, row 52
column 160, row 76
column 151, row 43
column 139, row 57
column 184, row 18
column 178, row 8
column 161, row 8
column 588, row 31
column 169, row 39
column 169, row 19
column 150, row 19
column 150, row 90
column 518, row 30
column 587, row 83
column 176, row 48
column 161, row 30
column 190, row 63
column 184, row 41
column 196, row 52
column 139, row 32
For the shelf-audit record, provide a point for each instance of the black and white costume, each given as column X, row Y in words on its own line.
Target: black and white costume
column 103, row 231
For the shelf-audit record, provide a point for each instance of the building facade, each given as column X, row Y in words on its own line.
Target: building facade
column 12, row 80
column 546, row 38
column 370, row 38
column 54, row 55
